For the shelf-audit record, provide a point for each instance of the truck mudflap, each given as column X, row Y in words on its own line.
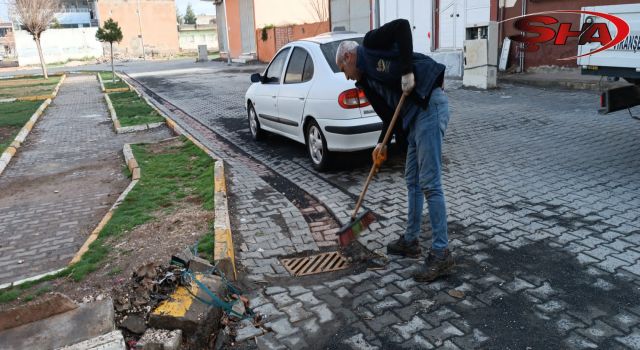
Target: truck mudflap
column 620, row 98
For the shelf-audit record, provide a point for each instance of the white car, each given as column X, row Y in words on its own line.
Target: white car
column 303, row 95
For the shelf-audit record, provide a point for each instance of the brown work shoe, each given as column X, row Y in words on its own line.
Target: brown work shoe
column 436, row 265
column 404, row 248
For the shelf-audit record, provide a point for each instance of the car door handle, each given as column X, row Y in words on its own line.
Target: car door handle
column 301, row 98
column 273, row 97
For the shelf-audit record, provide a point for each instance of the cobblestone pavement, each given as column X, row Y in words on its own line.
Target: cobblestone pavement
column 543, row 199
column 61, row 182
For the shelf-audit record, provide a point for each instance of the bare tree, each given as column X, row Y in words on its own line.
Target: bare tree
column 319, row 9
column 35, row 17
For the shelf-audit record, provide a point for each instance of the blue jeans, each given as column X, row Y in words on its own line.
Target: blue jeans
column 423, row 170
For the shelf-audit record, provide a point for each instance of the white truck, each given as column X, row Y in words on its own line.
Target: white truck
column 620, row 61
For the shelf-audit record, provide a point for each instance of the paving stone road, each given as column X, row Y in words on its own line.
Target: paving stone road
column 543, row 198
column 61, row 181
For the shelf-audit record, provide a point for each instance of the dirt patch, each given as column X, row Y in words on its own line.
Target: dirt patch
column 7, row 134
column 55, row 181
column 169, row 146
column 27, row 82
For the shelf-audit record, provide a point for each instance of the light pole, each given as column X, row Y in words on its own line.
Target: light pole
column 226, row 24
column 140, row 35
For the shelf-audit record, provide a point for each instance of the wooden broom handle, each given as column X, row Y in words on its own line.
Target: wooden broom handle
column 375, row 168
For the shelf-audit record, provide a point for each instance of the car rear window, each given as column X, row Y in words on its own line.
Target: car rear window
column 329, row 51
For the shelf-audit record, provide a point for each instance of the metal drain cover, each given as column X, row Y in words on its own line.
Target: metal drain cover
column 314, row 264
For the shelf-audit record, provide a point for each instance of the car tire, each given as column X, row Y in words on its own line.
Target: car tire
column 257, row 133
column 317, row 146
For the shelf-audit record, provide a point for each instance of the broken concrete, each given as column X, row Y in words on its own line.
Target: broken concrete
column 48, row 306
column 160, row 339
column 199, row 265
column 134, row 324
column 109, row 341
column 186, row 312
column 83, row 323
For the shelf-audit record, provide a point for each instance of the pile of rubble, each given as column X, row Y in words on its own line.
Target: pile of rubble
column 133, row 301
column 184, row 305
column 175, row 306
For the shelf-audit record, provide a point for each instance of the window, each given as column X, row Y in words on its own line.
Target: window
column 300, row 67
column 274, row 71
column 296, row 66
column 329, row 51
column 307, row 74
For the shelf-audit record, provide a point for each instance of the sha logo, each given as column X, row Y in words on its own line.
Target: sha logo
column 537, row 29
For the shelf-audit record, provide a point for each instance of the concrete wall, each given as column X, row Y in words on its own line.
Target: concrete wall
column 279, row 36
column 190, row 39
column 58, row 45
column 159, row 30
column 282, row 12
column 548, row 53
column 352, row 15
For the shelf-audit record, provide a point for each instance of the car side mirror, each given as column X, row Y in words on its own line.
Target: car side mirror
column 256, row 78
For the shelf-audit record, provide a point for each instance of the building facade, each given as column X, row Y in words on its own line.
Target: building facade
column 148, row 26
column 239, row 20
column 193, row 35
column 7, row 40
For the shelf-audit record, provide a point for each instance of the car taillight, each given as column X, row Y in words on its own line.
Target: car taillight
column 353, row 98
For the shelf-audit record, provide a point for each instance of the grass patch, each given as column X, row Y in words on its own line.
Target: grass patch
column 107, row 81
column 12, row 293
column 206, row 245
column 133, row 110
column 9, row 295
column 31, row 86
column 177, row 172
column 13, row 116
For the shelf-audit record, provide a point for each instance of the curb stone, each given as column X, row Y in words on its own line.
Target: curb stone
column 100, row 81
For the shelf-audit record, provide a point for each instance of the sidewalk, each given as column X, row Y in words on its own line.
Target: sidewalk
column 62, row 181
column 560, row 78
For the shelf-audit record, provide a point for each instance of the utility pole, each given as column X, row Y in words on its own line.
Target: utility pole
column 144, row 56
column 226, row 25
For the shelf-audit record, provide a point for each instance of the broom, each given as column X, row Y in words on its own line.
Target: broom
column 359, row 223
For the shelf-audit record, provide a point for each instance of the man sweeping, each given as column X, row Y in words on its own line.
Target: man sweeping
column 385, row 67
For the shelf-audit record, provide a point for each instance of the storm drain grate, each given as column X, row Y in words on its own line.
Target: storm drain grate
column 319, row 263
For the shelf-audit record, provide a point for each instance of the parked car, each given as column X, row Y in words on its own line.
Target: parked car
column 303, row 95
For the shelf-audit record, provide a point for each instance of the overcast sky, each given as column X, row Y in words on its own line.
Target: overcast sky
column 199, row 7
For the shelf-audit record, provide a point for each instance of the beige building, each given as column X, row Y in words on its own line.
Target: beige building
column 155, row 25
column 193, row 35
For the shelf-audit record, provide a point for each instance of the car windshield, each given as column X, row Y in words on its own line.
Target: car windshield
column 329, row 52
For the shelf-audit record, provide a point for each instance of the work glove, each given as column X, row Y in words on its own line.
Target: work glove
column 408, row 82
column 379, row 154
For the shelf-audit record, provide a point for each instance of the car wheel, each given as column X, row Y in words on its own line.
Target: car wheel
column 317, row 147
column 254, row 125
